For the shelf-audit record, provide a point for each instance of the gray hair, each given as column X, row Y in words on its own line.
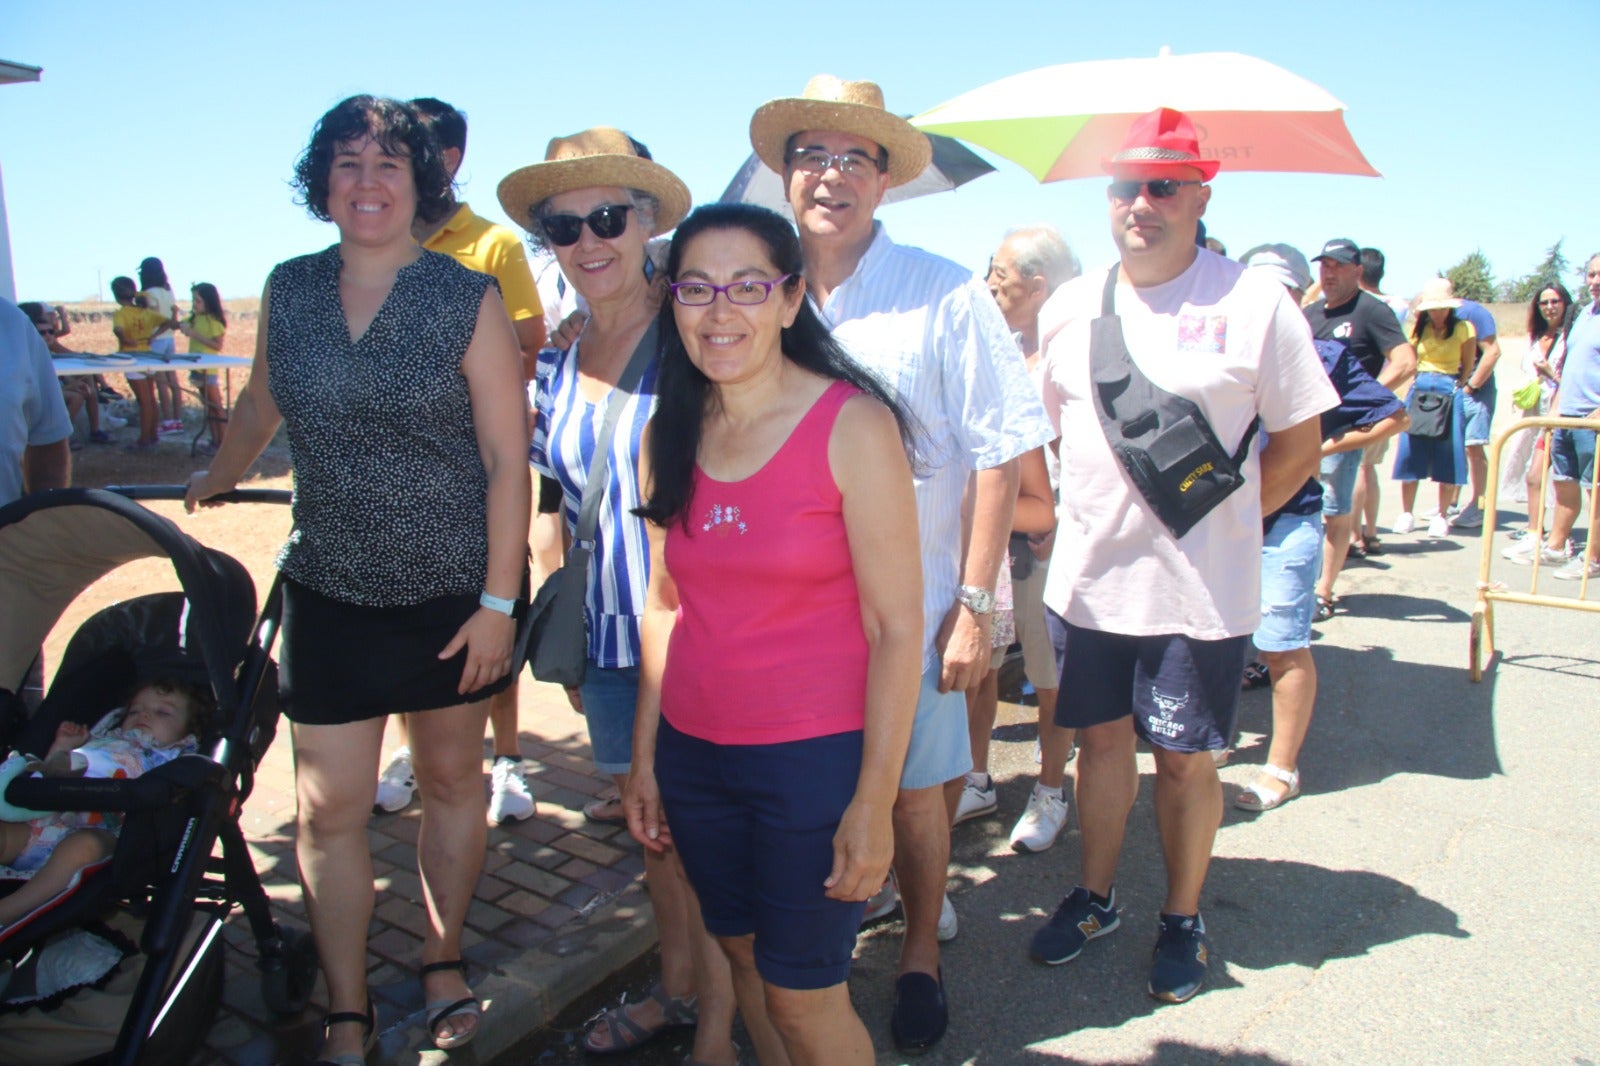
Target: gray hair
column 644, row 205
column 1040, row 250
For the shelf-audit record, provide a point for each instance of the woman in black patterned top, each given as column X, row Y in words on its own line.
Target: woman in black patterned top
column 397, row 373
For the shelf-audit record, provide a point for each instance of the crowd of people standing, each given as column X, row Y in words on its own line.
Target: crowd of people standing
column 758, row 418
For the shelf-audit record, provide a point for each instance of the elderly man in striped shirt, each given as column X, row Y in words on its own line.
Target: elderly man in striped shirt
column 933, row 331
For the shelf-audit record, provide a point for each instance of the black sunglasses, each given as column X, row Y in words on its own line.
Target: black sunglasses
column 1160, row 189
column 606, row 222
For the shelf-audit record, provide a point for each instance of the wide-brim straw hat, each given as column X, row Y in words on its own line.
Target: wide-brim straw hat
column 1437, row 295
column 855, row 107
column 595, row 157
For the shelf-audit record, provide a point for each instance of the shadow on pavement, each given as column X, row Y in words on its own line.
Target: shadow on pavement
column 1261, row 914
column 1378, row 716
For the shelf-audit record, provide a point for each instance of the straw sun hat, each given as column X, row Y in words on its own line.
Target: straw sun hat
column 595, row 157
column 1437, row 295
column 855, row 107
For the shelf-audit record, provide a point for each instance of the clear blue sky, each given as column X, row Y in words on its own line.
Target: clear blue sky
column 173, row 134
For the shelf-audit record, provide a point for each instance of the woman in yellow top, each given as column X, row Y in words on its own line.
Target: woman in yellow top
column 205, row 329
column 1447, row 349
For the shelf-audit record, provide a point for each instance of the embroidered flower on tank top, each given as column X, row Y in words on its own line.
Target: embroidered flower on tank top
column 725, row 520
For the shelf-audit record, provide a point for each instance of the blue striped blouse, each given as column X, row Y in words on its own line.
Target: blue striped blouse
column 563, row 445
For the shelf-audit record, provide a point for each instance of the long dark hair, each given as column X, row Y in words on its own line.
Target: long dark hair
column 207, row 301
column 1425, row 319
column 683, row 393
column 1538, row 324
column 152, row 275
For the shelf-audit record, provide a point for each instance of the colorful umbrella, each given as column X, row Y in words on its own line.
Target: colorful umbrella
column 953, row 165
column 1059, row 122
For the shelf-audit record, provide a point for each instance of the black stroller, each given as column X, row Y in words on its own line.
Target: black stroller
column 162, row 872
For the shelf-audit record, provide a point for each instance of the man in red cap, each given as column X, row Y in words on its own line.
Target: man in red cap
column 1151, row 608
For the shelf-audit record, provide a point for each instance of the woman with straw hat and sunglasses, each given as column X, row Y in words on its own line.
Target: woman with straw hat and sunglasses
column 594, row 202
column 1447, row 348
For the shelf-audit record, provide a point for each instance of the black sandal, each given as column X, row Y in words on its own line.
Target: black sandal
column 369, row 1035
column 440, row 1011
column 1256, row 676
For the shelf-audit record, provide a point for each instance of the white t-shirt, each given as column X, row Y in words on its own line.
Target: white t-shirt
column 1231, row 341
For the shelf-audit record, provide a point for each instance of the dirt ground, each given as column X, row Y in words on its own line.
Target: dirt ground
column 250, row 533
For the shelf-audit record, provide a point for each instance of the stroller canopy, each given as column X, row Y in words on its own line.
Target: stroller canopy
column 53, row 545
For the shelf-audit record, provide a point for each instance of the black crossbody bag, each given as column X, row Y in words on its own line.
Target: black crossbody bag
column 1161, row 439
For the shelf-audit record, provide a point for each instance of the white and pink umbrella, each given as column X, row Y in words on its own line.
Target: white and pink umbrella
column 1059, row 122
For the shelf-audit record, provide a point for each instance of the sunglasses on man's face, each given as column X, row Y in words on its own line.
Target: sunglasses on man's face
column 1160, row 189
column 606, row 222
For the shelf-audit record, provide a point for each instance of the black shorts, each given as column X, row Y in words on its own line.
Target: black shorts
column 1183, row 693
column 341, row 662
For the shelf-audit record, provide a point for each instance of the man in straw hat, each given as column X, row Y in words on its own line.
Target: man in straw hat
column 1151, row 626
column 934, row 332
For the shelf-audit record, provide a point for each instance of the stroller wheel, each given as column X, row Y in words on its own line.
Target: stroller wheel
column 288, row 976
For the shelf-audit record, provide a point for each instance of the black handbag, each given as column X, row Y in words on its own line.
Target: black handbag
column 556, row 642
column 1429, row 413
column 1162, row 440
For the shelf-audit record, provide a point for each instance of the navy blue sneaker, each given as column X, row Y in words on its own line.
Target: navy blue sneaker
column 1076, row 922
column 1179, row 963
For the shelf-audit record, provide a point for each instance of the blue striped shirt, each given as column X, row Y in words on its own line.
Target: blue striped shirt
column 934, row 334
column 563, row 445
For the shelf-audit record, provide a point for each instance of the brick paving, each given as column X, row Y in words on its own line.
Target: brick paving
column 560, row 904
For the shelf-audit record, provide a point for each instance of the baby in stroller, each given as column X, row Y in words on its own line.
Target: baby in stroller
column 161, row 721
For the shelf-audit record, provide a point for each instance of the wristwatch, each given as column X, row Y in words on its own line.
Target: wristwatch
column 497, row 603
column 975, row 598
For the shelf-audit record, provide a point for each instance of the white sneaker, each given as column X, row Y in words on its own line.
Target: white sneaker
column 1522, row 551
column 510, row 801
column 1405, row 523
column 1470, row 518
column 1041, row 822
column 977, row 798
column 109, row 422
column 1438, row 526
column 396, row 785
column 1576, row 568
column 949, row 925
column 883, row 902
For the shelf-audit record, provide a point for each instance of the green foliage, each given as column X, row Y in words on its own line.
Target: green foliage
column 1552, row 269
column 1471, row 278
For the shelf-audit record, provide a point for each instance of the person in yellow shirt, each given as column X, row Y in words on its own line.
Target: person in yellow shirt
column 205, row 329
column 478, row 244
column 1447, row 349
column 135, row 325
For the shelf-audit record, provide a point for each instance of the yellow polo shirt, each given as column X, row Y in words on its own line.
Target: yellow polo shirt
column 137, row 325
column 478, row 244
column 210, row 330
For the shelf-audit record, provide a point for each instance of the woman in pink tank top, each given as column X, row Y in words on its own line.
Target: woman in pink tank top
column 782, row 630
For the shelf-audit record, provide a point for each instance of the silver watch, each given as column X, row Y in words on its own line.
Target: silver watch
column 976, row 599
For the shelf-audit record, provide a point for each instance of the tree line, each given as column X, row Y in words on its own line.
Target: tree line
column 1474, row 280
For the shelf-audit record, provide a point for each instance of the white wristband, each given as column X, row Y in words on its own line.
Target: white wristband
column 496, row 603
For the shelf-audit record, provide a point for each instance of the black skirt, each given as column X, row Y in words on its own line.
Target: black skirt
column 341, row 662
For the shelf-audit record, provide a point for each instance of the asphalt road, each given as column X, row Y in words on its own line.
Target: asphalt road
column 1429, row 898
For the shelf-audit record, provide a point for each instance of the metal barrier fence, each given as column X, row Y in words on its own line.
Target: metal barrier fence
column 1490, row 592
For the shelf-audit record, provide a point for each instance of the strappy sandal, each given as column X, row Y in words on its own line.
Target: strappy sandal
column 1256, row 676
column 607, row 809
column 440, row 1011
column 624, row 1034
column 1325, row 609
column 369, row 1035
column 1255, row 798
